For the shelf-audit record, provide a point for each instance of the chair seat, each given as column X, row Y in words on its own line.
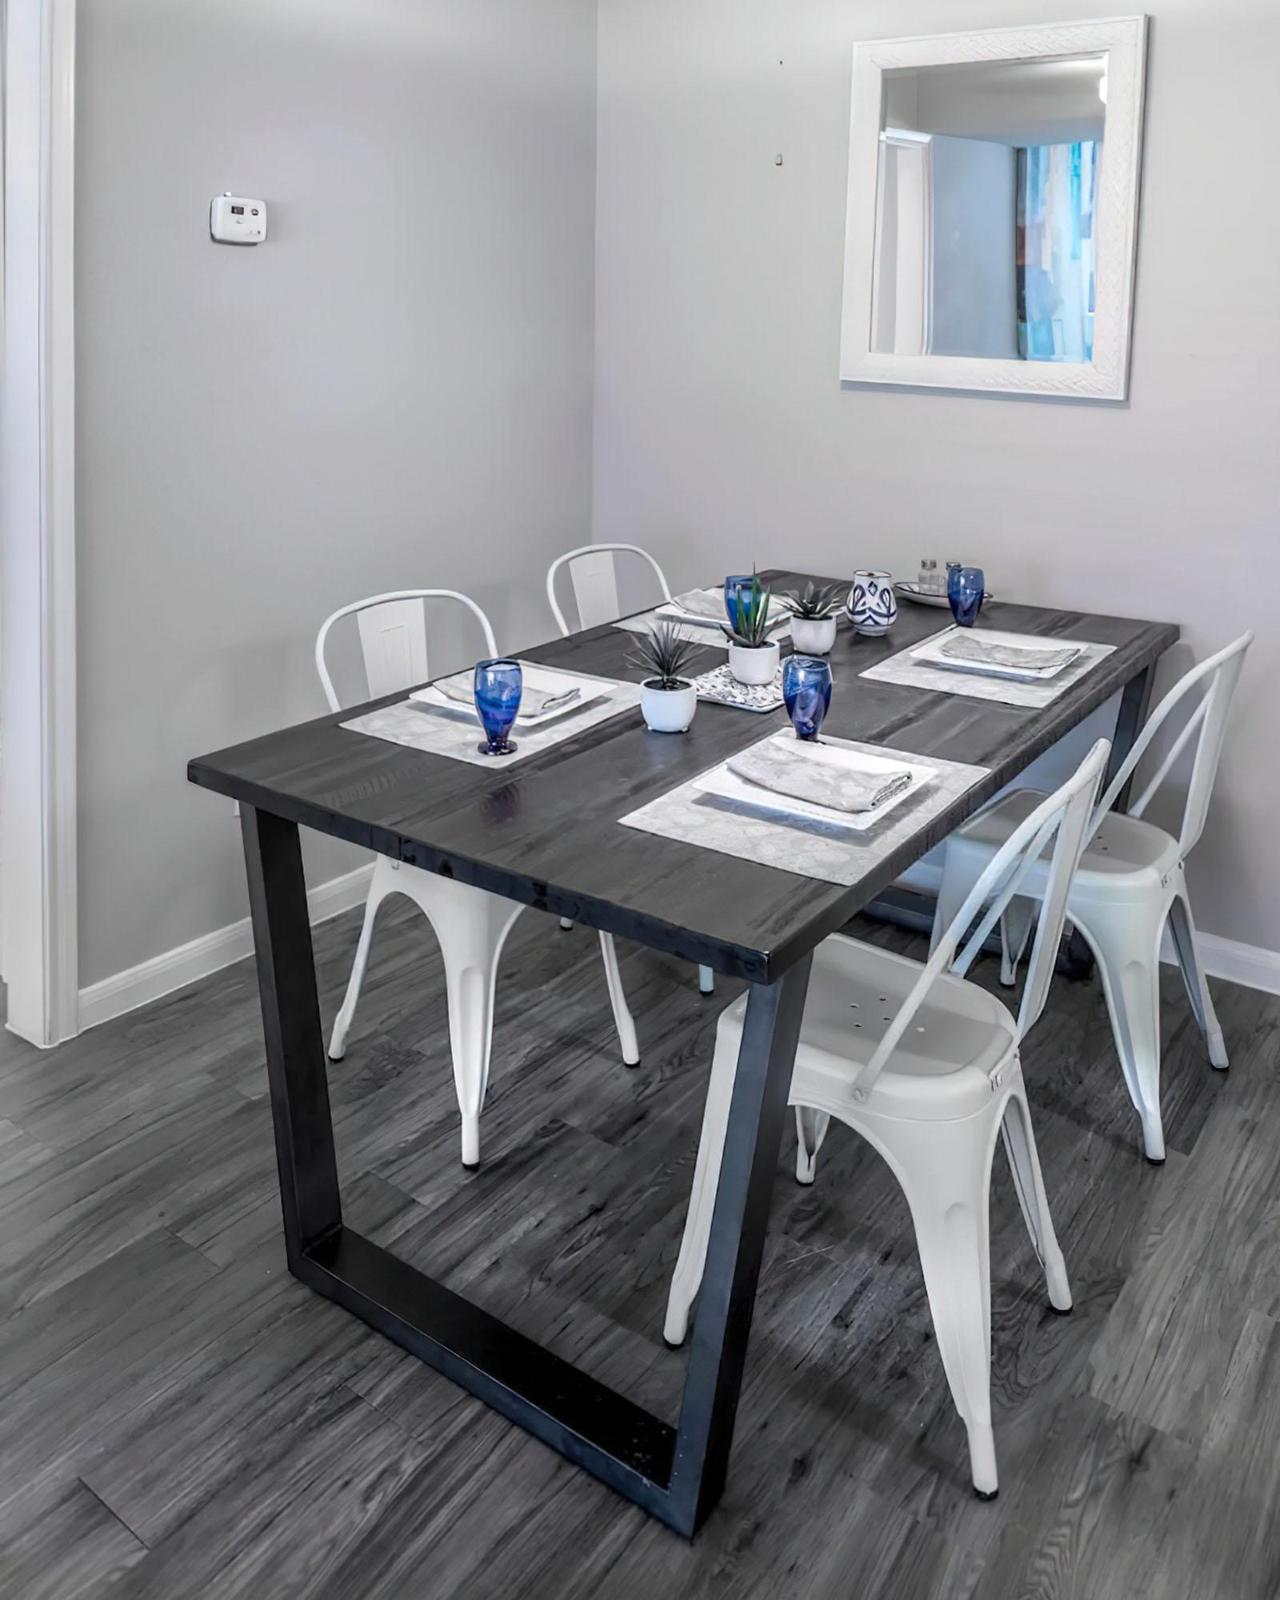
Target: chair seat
column 1125, row 858
column 942, row 1067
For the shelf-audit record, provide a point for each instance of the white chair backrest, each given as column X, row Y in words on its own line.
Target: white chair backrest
column 1065, row 814
column 593, row 573
column 393, row 639
column 1207, row 724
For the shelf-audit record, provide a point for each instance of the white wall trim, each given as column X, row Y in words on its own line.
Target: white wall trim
column 1246, row 964
column 162, row 974
column 38, row 521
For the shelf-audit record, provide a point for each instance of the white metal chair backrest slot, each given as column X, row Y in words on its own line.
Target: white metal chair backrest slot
column 1064, row 814
column 593, row 574
column 1207, row 724
column 393, row 639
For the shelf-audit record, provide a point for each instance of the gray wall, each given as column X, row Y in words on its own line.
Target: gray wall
column 975, row 286
column 394, row 390
column 723, row 436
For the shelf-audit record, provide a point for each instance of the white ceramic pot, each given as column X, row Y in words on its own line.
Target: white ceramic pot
column 813, row 636
column 667, row 710
column 756, row 666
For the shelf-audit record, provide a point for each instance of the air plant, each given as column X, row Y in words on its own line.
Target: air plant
column 751, row 609
column 818, row 602
column 663, row 654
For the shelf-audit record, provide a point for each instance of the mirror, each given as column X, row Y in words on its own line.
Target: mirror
column 992, row 210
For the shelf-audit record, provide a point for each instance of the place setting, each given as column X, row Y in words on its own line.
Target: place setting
column 805, row 801
column 1016, row 669
column 700, row 615
column 516, row 707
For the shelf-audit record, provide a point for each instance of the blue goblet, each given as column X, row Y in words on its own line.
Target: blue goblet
column 806, row 688
column 498, row 687
column 966, row 590
column 734, row 590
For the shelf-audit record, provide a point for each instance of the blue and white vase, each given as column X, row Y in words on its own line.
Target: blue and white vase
column 872, row 606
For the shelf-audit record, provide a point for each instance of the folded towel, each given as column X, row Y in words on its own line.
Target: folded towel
column 973, row 647
column 533, row 702
column 788, row 770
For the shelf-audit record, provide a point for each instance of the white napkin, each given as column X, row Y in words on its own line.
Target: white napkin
column 973, row 647
column 533, row 702
column 788, row 770
column 705, row 605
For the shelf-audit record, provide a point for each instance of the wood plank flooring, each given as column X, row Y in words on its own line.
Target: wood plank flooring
column 179, row 1417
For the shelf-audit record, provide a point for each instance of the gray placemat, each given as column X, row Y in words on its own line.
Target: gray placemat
column 811, row 850
column 457, row 733
column 1006, row 691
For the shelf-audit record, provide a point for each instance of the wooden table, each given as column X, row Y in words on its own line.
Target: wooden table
column 545, row 832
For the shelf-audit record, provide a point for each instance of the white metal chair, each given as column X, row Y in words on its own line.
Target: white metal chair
column 1130, row 883
column 593, row 575
column 470, row 924
column 925, row 1065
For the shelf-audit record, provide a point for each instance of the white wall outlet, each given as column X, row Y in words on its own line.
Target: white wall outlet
column 233, row 219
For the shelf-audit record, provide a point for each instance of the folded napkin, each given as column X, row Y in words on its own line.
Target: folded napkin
column 707, row 605
column 973, row 647
column 533, row 702
column 787, row 771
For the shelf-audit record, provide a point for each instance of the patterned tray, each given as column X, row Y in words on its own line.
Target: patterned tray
column 720, row 686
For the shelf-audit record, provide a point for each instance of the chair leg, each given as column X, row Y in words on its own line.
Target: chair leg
column 811, row 1130
column 702, row 1196
column 342, row 1022
column 1015, row 929
column 1126, row 941
column 1183, row 928
column 472, row 928
column 945, row 1171
column 622, row 1018
column 1028, row 1182
column 706, row 980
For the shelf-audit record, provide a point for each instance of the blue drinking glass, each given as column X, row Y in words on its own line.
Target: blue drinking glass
column 966, row 590
column 806, row 688
column 734, row 589
column 498, row 687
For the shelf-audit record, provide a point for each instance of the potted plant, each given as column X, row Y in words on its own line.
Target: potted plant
column 813, row 618
column 753, row 655
column 667, row 700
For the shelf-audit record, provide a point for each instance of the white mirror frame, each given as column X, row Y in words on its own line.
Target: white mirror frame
column 1106, row 377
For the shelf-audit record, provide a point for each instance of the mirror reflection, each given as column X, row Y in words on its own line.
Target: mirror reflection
column 985, row 209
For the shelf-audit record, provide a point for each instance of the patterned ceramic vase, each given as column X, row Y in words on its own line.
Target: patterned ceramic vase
column 872, row 606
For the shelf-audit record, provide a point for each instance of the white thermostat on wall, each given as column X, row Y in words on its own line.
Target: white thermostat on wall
column 235, row 220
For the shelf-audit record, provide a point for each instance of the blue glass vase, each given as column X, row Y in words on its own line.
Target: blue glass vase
column 734, row 590
column 806, row 688
column 498, row 688
column 966, row 590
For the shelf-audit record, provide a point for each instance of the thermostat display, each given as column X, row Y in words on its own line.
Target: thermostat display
column 233, row 219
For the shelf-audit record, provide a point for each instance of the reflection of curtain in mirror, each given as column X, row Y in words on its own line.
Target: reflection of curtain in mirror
column 1057, row 185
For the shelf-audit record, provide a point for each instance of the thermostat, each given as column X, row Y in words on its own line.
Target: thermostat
column 233, row 219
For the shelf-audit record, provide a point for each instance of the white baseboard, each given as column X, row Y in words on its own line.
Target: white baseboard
column 1246, row 964
column 138, row 986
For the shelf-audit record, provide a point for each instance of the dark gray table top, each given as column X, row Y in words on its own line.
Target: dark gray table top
column 546, row 831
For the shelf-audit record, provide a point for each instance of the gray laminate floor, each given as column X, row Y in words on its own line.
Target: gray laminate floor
column 178, row 1417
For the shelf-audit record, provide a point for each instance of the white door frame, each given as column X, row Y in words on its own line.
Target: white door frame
column 37, row 530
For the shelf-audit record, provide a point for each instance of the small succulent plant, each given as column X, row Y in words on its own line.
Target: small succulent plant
column 663, row 655
column 817, row 602
column 753, row 620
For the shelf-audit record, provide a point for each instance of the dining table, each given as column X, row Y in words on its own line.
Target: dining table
column 547, row 832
